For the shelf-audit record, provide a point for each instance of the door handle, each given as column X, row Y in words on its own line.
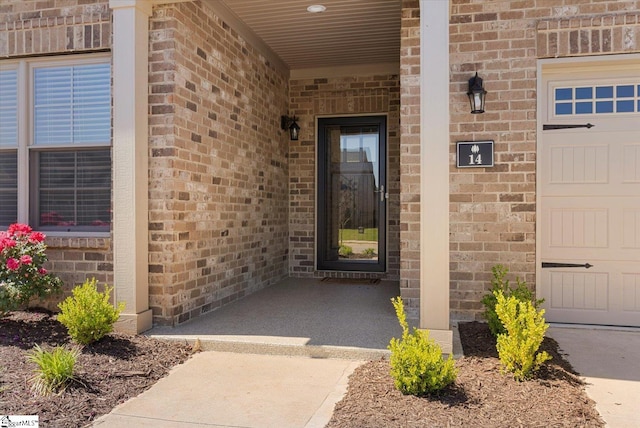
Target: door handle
column 382, row 194
column 546, row 265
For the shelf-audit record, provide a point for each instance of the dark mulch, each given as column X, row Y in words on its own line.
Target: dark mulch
column 109, row 372
column 122, row 366
column 480, row 397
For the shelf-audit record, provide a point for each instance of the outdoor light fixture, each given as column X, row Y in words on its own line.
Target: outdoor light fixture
column 289, row 123
column 476, row 94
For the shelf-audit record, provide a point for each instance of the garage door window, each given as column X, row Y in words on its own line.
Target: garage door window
column 596, row 99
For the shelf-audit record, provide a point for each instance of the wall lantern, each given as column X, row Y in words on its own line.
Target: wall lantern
column 289, row 123
column 476, row 94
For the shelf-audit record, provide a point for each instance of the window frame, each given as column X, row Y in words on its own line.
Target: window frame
column 27, row 176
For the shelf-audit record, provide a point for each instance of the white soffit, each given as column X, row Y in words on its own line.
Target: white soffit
column 347, row 33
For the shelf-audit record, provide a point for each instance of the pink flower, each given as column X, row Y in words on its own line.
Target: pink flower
column 18, row 229
column 26, row 259
column 7, row 243
column 13, row 264
column 42, row 271
column 36, row 237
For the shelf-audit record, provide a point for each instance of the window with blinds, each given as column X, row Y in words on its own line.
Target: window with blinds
column 8, row 108
column 71, row 188
column 72, row 105
column 67, row 152
column 74, row 188
column 8, row 187
column 8, row 147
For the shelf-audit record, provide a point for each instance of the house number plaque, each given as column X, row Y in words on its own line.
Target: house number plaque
column 474, row 154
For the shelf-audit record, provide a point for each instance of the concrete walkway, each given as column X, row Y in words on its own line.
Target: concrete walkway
column 220, row 389
column 294, row 345
column 609, row 362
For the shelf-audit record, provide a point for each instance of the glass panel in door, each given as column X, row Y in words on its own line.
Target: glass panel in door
column 352, row 193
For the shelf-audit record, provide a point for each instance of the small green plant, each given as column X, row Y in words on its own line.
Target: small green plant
column 500, row 283
column 417, row 365
column 54, row 368
column 345, row 251
column 369, row 252
column 87, row 314
column 526, row 327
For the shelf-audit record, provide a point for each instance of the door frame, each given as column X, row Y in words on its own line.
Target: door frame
column 384, row 212
column 595, row 64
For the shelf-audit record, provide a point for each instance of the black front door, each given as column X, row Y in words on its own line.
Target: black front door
column 352, row 194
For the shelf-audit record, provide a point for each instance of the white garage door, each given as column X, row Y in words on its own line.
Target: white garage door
column 588, row 255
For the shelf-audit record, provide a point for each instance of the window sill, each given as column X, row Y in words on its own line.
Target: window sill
column 78, row 240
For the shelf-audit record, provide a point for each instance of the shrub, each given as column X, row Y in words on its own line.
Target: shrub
column 54, row 368
column 417, row 366
column 22, row 276
column 345, row 251
column 369, row 252
column 525, row 325
column 88, row 315
column 521, row 292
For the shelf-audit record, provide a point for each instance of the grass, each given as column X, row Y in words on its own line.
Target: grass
column 354, row 235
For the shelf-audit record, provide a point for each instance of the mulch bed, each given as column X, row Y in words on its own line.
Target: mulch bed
column 480, row 397
column 109, row 372
column 121, row 366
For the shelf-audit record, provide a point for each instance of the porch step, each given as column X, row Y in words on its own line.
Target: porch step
column 275, row 346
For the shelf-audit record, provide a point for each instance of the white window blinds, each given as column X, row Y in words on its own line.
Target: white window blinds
column 8, row 108
column 72, row 105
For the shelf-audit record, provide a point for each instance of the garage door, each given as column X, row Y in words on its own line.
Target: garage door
column 588, row 259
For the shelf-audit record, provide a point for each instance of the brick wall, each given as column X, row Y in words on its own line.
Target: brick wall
column 410, row 155
column 338, row 96
column 32, row 27
column 218, row 165
column 37, row 27
column 493, row 211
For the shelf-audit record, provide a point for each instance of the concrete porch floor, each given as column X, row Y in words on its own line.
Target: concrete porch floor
column 305, row 317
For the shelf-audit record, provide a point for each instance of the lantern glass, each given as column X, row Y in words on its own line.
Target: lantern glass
column 294, row 131
column 476, row 94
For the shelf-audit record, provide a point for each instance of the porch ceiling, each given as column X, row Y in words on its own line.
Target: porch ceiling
column 348, row 33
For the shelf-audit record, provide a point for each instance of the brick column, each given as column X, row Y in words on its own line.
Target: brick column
column 130, row 162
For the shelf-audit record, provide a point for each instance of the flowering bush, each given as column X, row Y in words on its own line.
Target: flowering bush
column 22, row 254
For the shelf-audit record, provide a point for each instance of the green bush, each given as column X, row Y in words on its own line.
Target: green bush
column 345, row 251
column 499, row 283
column 369, row 252
column 54, row 368
column 88, row 315
column 525, row 325
column 417, row 366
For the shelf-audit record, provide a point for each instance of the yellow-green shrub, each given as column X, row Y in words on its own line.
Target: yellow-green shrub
column 526, row 327
column 417, row 366
column 501, row 283
column 88, row 314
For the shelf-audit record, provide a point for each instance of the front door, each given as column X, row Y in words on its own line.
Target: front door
column 589, row 193
column 352, row 194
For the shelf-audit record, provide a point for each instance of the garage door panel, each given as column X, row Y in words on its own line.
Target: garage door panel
column 631, row 163
column 631, row 292
column 579, row 290
column 588, row 186
column 579, row 164
column 631, row 228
